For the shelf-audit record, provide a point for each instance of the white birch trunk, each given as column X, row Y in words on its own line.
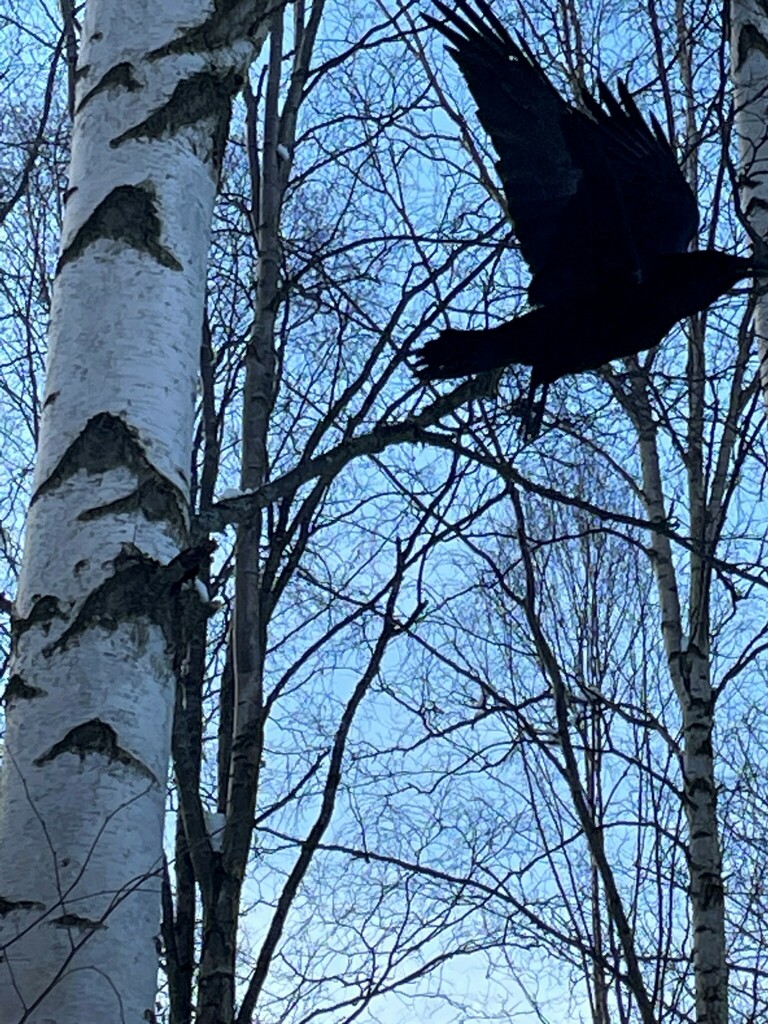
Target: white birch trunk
column 97, row 622
column 749, row 62
column 689, row 668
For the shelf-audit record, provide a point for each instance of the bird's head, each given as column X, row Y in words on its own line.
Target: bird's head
column 722, row 269
column 759, row 259
column 735, row 268
column 694, row 280
column 706, row 274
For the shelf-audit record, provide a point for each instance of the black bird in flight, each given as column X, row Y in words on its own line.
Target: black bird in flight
column 601, row 210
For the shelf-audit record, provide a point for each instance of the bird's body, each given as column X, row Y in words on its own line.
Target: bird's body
column 602, row 212
column 621, row 319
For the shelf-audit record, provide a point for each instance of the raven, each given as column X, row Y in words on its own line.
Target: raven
column 601, row 210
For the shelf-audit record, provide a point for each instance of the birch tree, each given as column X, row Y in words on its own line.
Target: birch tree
column 748, row 33
column 102, row 601
column 714, row 440
column 120, row 627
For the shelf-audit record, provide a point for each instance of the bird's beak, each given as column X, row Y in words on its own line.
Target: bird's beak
column 759, row 259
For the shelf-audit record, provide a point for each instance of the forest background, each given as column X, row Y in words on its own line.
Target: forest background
column 501, row 706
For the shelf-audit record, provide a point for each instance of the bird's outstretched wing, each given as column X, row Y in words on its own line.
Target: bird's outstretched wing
column 660, row 207
column 594, row 194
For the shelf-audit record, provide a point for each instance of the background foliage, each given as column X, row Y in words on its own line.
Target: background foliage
column 443, row 615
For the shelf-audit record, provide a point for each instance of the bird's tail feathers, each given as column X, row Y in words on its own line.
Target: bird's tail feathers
column 456, row 353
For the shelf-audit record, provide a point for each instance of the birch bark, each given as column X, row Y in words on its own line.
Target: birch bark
column 749, row 38
column 102, row 602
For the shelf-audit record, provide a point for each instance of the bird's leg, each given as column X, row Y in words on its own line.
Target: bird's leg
column 527, row 411
column 539, row 413
column 530, row 425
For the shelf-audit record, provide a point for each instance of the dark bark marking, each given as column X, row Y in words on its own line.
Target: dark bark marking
column 8, row 906
column 44, row 610
column 118, row 77
column 95, row 737
column 18, row 689
column 129, row 215
column 84, row 924
column 750, row 40
column 202, row 96
column 139, row 588
column 755, row 205
column 231, row 21
column 155, row 498
column 108, row 442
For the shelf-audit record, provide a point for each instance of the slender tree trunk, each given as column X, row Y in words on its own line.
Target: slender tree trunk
column 101, row 608
column 270, row 161
column 688, row 659
column 749, row 63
